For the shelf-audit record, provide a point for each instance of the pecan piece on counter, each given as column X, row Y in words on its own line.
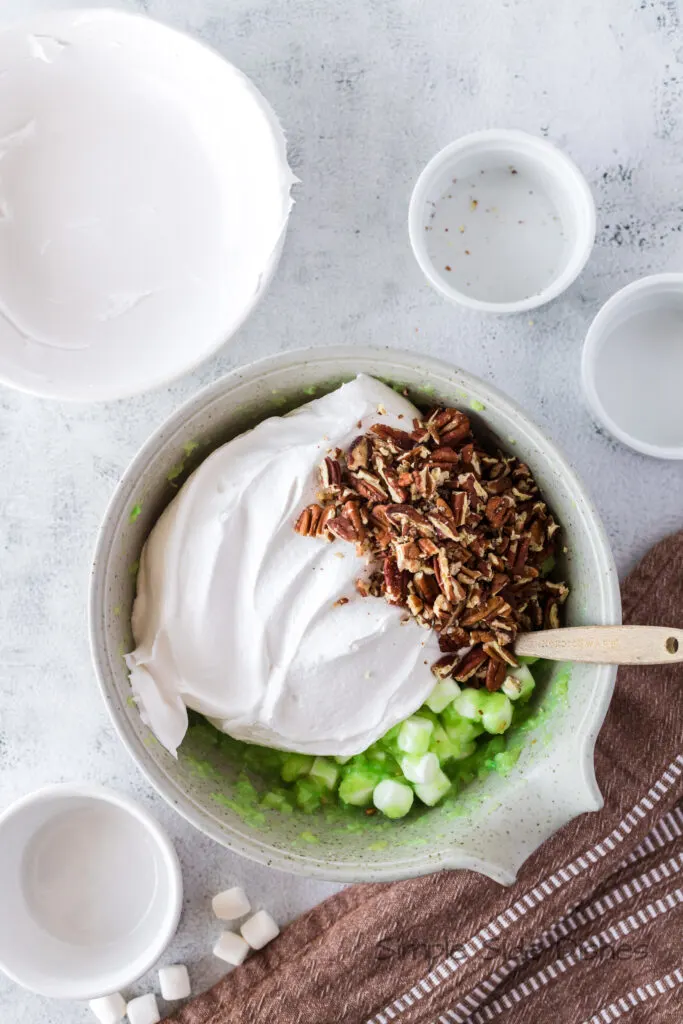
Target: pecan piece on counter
column 456, row 534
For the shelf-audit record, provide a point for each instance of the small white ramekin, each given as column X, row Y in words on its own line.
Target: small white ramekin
column 562, row 180
column 654, row 295
column 90, row 890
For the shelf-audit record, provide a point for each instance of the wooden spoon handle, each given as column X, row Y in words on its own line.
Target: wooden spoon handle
column 610, row 645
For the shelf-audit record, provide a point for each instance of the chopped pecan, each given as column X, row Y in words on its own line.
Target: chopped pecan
column 444, row 454
column 495, row 675
column 494, row 606
column 552, row 615
column 454, row 640
column 427, row 587
column 470, row 459
column 457, row 429
column 456, row 534
column 443, row 668
column 359, row 454
column 443, row 418
column 457, row 435
column 460, row 503
column 352, row 513
column 371, row 479
column 307, row 522
column 498, row 652
column 536, row 535
column 499, row 486
column 499, row 582
column 395, row 582
column 444, row 526
column 327, row 515
column 406, row 517
column 342, row 527
column 330, row 473
column 521, row 556
column 423, row 480
column 401, row 438
column 443, row 577
column 482, row 636
column 499, row 509
column 390, row 477
column 466, row 668
column 408, row 555
column 369, row 491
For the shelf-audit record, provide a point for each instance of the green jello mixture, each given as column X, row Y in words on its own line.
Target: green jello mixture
column 457, row 736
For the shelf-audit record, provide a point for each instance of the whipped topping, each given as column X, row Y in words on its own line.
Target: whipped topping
column 236, row 615
column 143, row 195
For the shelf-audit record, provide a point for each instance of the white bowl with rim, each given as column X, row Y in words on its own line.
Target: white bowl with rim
column 501, row 820
column 501, row 221
column 144, row 199
column 90, row 889
column 632, row 366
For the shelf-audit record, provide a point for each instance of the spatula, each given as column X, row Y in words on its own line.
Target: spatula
column 611, row 645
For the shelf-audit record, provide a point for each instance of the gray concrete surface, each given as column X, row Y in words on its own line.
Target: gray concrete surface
column 367, row 91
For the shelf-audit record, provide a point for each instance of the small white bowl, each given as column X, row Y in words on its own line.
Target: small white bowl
column 632, row 366
column 501, row 221
column 90, row 890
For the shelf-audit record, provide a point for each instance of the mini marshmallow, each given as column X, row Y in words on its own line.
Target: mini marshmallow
column 232, row 948
column 174, row 982
column 231, row 904
column 109, row 1009
column 143, row 1010
column 260, row 929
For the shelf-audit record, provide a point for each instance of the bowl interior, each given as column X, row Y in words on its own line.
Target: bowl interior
column 148, row 286
column 87, row 901
column 498, row 820
column 633, row 365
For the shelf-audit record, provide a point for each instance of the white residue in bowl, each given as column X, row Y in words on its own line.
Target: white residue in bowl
column 496, row 235
column 638, row 374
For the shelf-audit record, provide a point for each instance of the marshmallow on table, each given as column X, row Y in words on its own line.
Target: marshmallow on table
column 174, row 982
column 259, row 929
column 143, row 1010
column 231, row 904
column 232, row 948
column 109, row 1009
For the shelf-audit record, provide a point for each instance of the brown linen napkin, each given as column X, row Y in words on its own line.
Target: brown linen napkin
column 592, row 931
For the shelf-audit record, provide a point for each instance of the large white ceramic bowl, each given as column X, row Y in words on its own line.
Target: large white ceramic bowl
column 499, row 821
column 144, row 199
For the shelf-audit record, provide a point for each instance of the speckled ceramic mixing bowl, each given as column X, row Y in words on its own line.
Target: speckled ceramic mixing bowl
column 496, row 823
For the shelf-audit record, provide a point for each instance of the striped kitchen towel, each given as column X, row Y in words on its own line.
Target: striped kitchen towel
column 591, row 933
